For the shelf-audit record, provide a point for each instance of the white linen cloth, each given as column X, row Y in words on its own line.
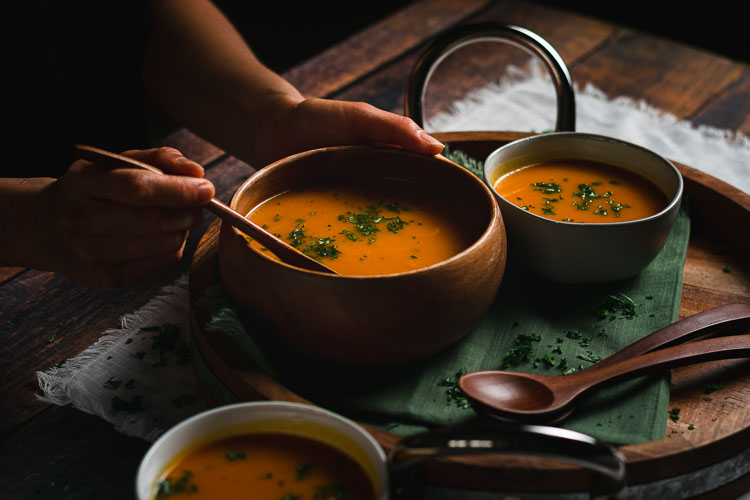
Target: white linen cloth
column 164, row 395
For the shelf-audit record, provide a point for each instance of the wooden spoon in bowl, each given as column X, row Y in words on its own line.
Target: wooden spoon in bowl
column 280, row 248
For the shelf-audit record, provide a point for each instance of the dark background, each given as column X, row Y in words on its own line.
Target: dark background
column 284, row 34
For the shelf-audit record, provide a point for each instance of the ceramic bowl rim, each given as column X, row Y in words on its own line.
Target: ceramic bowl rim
column 334, row 419
column 495, row 217
column 675, row 200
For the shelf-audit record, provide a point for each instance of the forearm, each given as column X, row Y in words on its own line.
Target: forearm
column 23, row 203
column 200, row 70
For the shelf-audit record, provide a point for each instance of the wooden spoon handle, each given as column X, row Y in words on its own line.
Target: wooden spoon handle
column 660, row 360
column 723, row 319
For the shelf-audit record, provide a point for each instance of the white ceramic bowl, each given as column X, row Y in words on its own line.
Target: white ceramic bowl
column 279, row 417
column 563, row 251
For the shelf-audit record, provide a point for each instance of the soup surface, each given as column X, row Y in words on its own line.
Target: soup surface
column 581, row 191
column 382, row 228
column 265, row 467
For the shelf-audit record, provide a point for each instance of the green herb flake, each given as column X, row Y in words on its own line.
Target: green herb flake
column 522, row 351
column 303, row 471
column 453, row 393
column 112, row 383
column 168, row 487
column 713, row 388
column 233, row 455
column 120, row 405
column 333, row 491
column 674, row 414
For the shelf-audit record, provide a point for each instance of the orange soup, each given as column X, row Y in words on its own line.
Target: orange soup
column 265, row 467
column 581, row 191
column 383, row 228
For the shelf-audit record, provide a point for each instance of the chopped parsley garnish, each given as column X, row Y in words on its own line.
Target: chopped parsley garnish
column 303, row 471
column 453, row 393
column 713, row 388
column 523, row 350
column 119, row 405
column 614, row 305
column 236, row 455
column 168, row 487
column 547, row 187
column 333, row 491
column 674, row 414
column 112, row 383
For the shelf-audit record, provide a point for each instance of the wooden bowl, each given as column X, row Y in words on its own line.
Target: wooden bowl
column 369, row 320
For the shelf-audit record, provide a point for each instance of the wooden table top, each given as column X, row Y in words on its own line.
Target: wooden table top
column 59, row 452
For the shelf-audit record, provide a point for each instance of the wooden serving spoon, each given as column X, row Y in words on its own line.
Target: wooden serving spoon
column 529, row 397
column 278, row 247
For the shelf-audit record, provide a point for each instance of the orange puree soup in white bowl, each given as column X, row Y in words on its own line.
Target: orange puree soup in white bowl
column 583, row 208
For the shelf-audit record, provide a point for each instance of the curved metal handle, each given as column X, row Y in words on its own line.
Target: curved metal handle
column 452, row 40
column 510, row 439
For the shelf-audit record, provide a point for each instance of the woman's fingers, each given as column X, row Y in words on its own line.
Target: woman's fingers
column 136, row 187
column 168, row 160
column 104, row 217
column 329, row 122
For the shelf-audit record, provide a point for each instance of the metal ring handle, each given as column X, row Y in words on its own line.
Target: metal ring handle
column 452, row 40
column 509, row 439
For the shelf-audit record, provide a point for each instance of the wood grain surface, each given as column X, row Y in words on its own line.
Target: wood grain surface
column 372, row 66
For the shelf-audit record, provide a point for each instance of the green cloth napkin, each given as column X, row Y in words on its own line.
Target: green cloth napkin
column 534, row 325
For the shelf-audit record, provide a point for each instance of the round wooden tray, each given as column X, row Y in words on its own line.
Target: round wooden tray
column 706, row 450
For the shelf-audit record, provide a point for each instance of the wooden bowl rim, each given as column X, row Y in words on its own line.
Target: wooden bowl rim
column 495, row 224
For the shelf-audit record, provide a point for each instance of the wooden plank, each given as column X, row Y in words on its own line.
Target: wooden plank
column 65, row 453
column 8, row 273
column 373, row 47
column 673, row 78
column 730, row 111
column 474, row 66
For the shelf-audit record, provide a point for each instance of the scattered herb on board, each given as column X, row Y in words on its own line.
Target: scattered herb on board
column 453, row 393
column 112, row 383
column 123, row 405
column 713, row 388
column 674, row 414
column 691, row 427
column 616, row 306
column 474, row 166
column 167, row 343
column 183, row 484
column 522, row 350
column 726, row 270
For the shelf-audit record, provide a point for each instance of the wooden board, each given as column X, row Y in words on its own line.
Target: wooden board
column 711, row 429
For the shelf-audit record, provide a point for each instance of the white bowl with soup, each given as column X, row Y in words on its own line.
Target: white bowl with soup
column 418, row 242
column 584, row 208
column 264, row 450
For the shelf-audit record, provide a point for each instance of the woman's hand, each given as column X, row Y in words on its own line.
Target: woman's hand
column 112, row 228
column 314, row 123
